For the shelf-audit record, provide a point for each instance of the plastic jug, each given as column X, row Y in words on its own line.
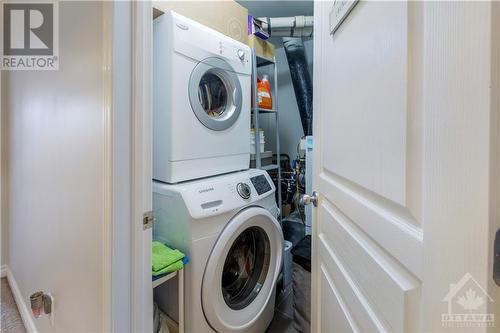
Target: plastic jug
column 264, row 93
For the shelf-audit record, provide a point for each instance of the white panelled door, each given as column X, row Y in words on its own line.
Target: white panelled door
column 405, row 153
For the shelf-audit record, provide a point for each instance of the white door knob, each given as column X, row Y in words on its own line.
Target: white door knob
column 309, row 199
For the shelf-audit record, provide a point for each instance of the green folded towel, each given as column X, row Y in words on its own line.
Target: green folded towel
column 176, row 266
column 165, row 260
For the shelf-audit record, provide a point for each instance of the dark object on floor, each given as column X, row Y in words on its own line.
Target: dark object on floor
column 302, row 253
column 281, row 324
column 301, row 299
column 302, row 285
column 301, row 79
column 293, row 228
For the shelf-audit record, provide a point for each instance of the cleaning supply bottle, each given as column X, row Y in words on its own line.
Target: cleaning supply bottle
column 264, row 93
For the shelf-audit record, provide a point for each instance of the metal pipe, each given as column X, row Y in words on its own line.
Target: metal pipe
column 294, row 26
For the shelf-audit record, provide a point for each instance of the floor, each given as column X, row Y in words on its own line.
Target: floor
column 11, row 321
column 283, row 315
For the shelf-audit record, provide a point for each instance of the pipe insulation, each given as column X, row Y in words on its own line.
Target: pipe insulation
column 294, row 26
column 301, row 79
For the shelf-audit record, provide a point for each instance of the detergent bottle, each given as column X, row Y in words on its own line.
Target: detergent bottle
column 264, row 93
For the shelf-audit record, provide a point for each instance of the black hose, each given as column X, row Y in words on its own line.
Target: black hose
column 301, row 79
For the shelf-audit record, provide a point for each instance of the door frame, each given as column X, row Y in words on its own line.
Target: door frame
column 317, row 79
column 142, row 287
column 127, row 74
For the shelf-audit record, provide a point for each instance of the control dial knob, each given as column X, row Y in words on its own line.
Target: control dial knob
column 241, row 54
column 244, row 190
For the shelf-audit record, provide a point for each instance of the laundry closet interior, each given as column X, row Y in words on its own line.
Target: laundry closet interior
column 232, row 154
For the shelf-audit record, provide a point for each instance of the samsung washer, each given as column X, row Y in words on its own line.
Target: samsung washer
column 227, row 226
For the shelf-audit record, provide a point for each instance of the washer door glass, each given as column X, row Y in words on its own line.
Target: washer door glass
column 215, row 94
column 245, row 268
column 241, row 272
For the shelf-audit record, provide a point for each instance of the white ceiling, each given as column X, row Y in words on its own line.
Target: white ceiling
column 277, row 8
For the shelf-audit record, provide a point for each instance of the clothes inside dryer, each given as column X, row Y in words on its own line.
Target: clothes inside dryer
column 212, row 93
column 245, row 268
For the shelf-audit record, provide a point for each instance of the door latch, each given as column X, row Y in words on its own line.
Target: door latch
column 496, row 259
column 147, row 220
column 309, row 199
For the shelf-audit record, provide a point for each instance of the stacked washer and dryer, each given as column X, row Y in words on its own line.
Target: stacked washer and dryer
column 206, row 201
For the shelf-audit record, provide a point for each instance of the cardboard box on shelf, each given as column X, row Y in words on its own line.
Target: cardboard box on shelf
column 225, row 16
column 262, row 48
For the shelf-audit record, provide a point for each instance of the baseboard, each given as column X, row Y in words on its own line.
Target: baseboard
column 3, row 271
column 24, row 311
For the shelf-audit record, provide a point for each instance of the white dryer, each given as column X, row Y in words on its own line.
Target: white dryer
column 227, row 226
column 201, row 102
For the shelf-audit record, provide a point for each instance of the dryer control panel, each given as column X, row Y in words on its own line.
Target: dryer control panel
column 234, row 52
column 198, row 42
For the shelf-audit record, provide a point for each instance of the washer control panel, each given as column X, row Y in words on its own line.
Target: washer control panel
column 219, row 194
column 261, row 184
column 244, row 190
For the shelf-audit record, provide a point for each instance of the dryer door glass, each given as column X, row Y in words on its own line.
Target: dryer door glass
column 215, row 94
column 212, row 93
column 245, row 268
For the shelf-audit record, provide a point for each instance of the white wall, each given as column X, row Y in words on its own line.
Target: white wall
column 3, row 225
column 55, row 160
column 290, row 125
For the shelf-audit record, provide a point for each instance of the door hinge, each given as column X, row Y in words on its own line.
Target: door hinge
column 147, row 220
